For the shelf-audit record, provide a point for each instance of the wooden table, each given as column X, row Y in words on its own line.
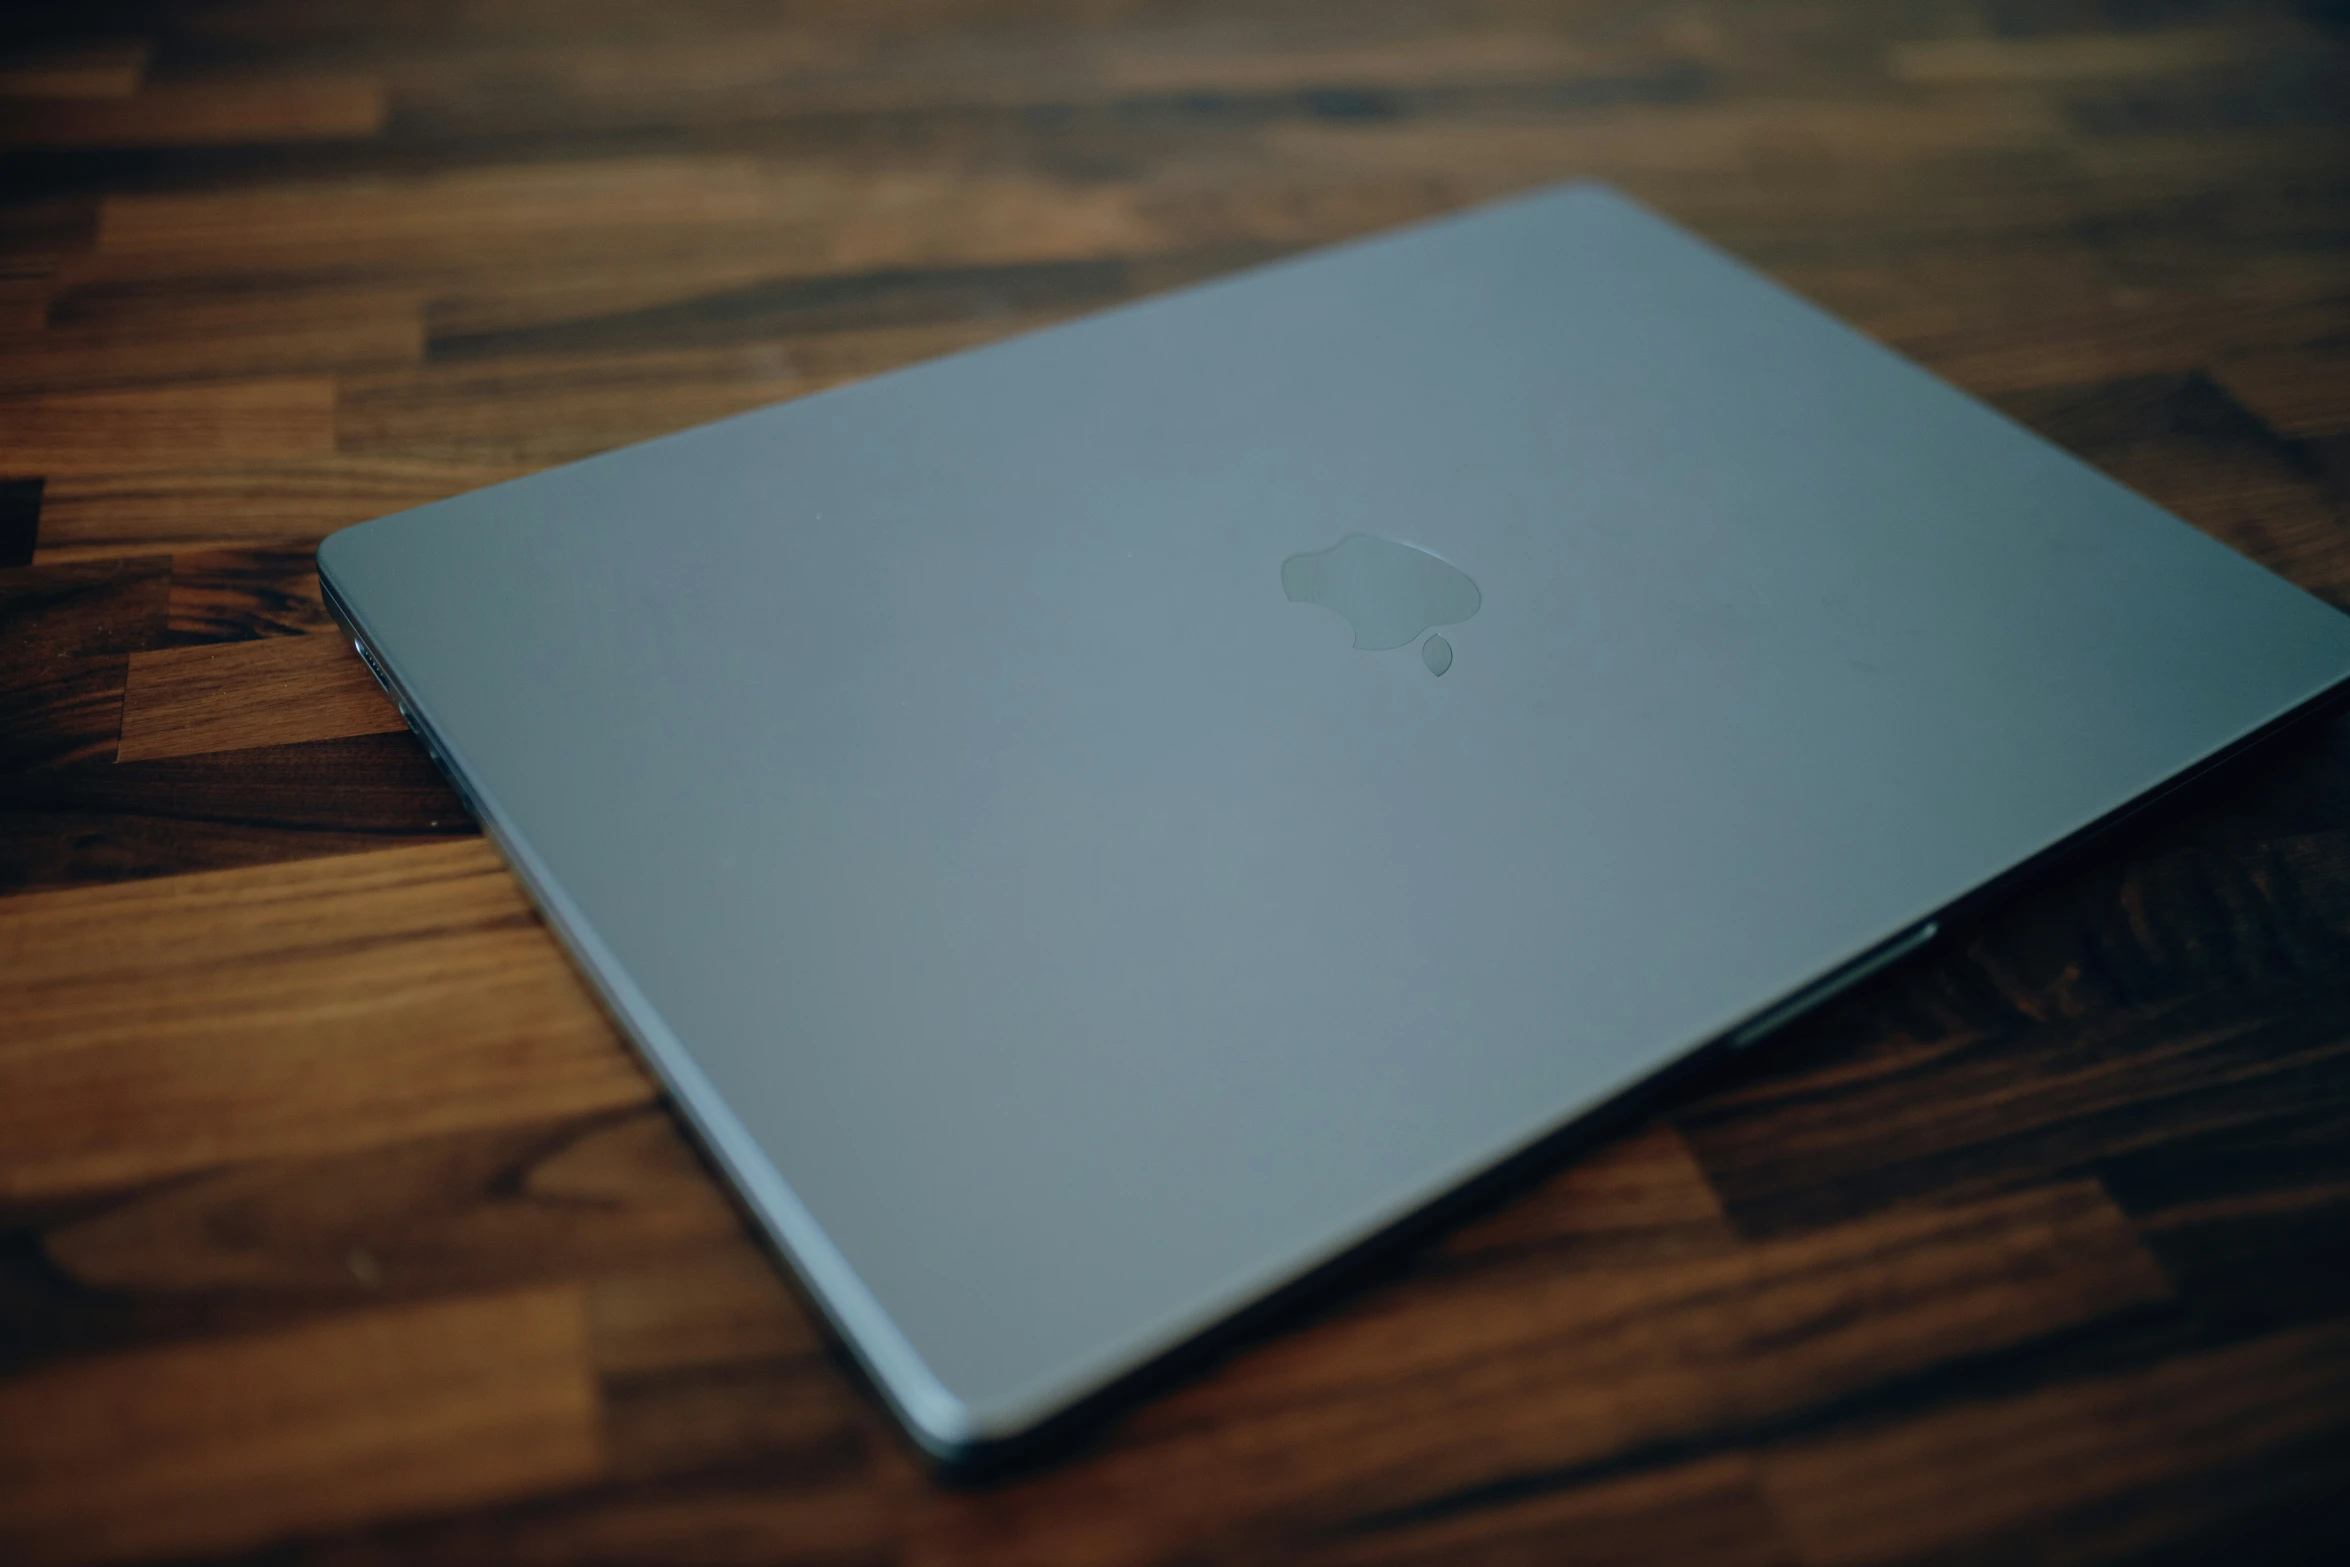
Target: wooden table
column 336, row 1224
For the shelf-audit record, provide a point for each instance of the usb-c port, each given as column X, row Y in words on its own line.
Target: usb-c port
column 373, row 667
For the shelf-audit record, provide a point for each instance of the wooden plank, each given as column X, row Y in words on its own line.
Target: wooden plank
column 724, row 1307
column 245, row 595
column 24, row 303
column 805, row 1514
column 797, row 1414
column 1793, row 1151
column 466, row 214
column 2230, row 1212
column 1640, row 1198
column 2074, row 57
column 105, row 514
column 195, row 113
column 800, row 217
column 61, row 713
column 847, row 66
column 277, row 691
column 53, row 613
column 2006, row 1477
column 230, row 421
column 110, row 68
column 616, row 1195
column 801, row 307
column 283, row 1011
column 595, row 69
column 1979, row 289
column 1415, row 1396
column 557, row 408
column 65, row 636
column 1614, row 1324
column 672, row 1282
column 2292, row 96
column 37, row 237
column 2330, row 455
column 1703, row 138
column 1708, row 1511
column 2303, row 392
column 2125, row 340
column 1261, row 59
column 100, row 820
column 92, row 338
column 239, row 1444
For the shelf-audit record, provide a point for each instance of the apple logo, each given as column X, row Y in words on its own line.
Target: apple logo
column 1388, row 592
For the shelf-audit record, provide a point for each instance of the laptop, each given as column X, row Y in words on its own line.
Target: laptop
column 1096, row 831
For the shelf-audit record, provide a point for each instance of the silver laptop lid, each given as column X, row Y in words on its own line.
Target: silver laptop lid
column 1067, row 928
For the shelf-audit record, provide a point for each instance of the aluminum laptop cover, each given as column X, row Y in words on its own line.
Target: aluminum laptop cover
column 969, row 791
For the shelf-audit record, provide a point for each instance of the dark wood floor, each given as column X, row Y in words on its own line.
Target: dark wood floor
column 335, row 1225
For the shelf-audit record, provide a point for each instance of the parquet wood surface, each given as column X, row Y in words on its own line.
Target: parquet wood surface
column 337, row 1227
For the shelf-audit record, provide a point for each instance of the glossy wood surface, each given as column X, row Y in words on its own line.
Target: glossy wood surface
column 336, row 1226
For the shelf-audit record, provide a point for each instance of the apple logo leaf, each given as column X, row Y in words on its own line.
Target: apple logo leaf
column 1388, row 592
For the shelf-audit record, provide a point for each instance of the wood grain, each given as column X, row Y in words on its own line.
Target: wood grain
column 2015, row 1473
column 82, row 70
column 814, row 1513
column 277, row 1011
column 2297, row 392
column 230, row 504
column 2064, row 59
column 40, row 237
column 238, row 1443
column 66, row 634
column 66, row 612
column 227, row 696
column 245, row 595
column 63, row 712
column 802, row 219
column 99, row 820
column 491, row 1208
column 1709, row 1511
column 81, row 432
column 184, row 112
column 335, row 1225
column 724, row 1308
column 24, row 303
column 529, row 411
column 1559, row 1368
column 96, row 337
